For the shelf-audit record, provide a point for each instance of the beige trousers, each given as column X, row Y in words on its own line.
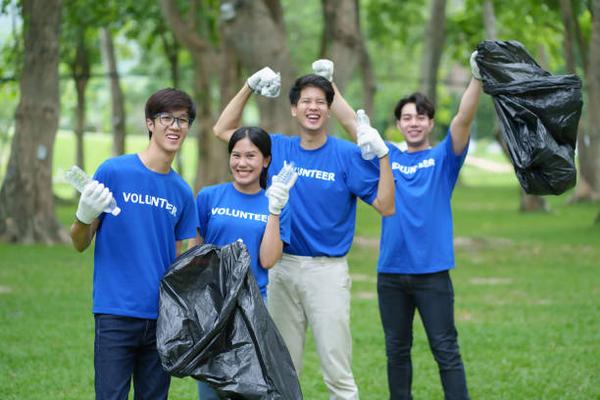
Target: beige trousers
column 315, row 291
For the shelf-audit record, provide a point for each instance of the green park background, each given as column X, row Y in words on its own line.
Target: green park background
column 527, row 281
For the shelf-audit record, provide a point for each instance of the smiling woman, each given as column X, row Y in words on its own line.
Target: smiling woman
column 243, row 210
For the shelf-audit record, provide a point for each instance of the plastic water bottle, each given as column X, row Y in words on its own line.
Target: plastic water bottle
column 79, row 179
column 287, row 173
column 362, row 119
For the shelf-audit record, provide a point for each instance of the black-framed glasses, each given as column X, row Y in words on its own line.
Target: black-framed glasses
column 167, row 120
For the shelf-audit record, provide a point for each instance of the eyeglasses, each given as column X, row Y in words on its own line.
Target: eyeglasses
column 167, row 120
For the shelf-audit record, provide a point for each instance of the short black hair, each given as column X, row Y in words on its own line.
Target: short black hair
column 423, row 105
column 311, row 80
column 260, row 138
column 169, row 99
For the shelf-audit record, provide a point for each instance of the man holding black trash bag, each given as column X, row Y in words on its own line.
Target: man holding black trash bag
column 134, row 249
column 416, row 248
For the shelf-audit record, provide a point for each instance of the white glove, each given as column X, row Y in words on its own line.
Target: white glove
column 279, row 192
column 94, row 200
column 367, row 135
column 323, row 68
column 265, row 82
column 474, row 66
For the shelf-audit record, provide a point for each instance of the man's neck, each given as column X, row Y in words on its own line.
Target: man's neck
column 156, row 160
column 421, row 147
column 312, row 140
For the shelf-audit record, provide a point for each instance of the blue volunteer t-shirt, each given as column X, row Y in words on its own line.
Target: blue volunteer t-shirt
column 417, row 239
column 226, row 215
column 134, row 249
column 323, row 200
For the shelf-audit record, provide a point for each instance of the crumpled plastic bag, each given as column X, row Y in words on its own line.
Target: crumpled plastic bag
column 213, row 325
column 538, row 113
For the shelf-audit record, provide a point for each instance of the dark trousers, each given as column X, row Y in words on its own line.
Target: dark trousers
column 433, row 295
column 126, row 347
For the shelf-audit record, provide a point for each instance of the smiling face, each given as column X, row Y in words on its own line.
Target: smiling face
column 415, row 127
column 311, row 111
column 246, row 163
column 166, row 136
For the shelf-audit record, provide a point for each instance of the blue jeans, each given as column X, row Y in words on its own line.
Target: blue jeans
column 205, row 392
column 124, row 347
column 433, row 295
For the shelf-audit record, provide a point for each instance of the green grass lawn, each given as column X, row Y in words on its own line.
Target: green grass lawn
column 527, row 306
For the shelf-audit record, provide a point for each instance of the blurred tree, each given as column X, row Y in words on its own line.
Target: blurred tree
column 26, row 201
column 590, row 145
column 198, row 33
column 343, row 42
column 528, row 202
column 78, row 50
column 118, row 116
column 433, row 48
column 145, row 25
column 256, row 32
column 588, row 183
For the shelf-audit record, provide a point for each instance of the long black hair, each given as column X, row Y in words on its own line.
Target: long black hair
column 260, row 138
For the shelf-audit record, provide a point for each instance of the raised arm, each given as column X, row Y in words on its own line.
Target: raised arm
column 344, row 113
column 460, row 126
column 340, row 108
column 271, row 246
column 265, row 82
column 231, row 116
column 384, row 203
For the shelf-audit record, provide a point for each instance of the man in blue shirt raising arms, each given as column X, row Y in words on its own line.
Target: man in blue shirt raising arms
column 416, row 248
column 311, row 284
column 134, row 249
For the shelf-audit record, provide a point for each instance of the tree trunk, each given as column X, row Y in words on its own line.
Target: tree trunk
column 212, row 154
column 80, row 70
column 116, row 94
column 590, row 145
column 341, row 40
column 171, row 49
column 531, row 203
column 266, row 45
column 566, row 12
column 489, row 20
column 433, row 47
column 368, row 81
column 528, row 202
column 583, row 190
column 26, row 199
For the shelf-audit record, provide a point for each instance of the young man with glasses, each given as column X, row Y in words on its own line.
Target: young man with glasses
column 134, row 249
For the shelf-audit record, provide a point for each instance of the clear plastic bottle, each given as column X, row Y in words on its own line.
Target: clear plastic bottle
column 79, row 179
column 287, row 173
column 362, row 119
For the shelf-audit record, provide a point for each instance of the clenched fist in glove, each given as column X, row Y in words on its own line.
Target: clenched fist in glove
column 265, row 82
column 94, row 200
column 369, row 136
column 279, row 191
column 323, row 68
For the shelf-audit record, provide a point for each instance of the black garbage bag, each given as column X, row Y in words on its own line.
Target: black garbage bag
column 214, row 326
column 538, row 113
